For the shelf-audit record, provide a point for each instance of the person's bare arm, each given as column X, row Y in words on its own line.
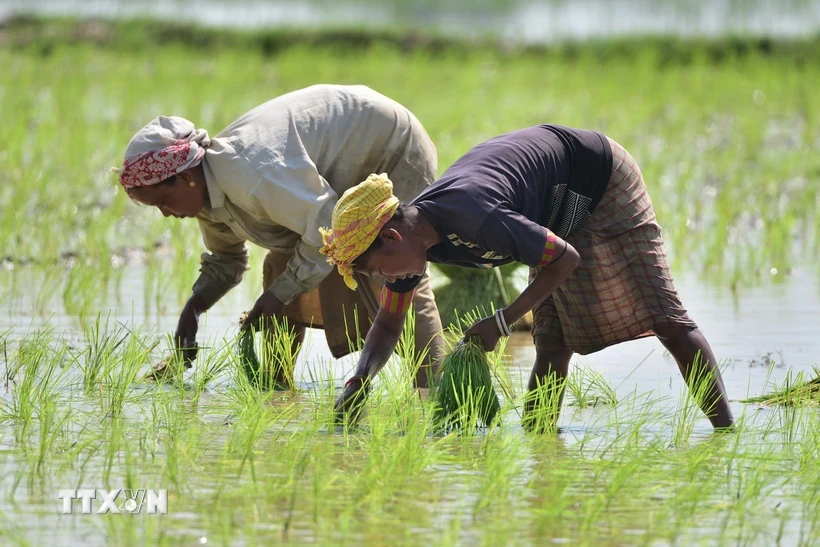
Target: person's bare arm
column 379, row 344
column 546, row 281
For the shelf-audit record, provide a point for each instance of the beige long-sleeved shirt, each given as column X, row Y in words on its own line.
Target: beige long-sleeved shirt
column 275, row 174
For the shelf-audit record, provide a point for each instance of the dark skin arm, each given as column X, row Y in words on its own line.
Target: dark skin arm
column 384, row 334
column 188, row 325
column 546, row 281
column 266, row 306
column 379, row 344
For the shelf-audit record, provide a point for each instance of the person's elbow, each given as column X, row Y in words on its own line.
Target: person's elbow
column 569, row 261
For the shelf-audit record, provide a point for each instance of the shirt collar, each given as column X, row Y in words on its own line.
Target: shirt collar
column 216, row 196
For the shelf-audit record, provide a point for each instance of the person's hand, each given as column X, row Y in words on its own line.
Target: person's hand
column 185, row 335
column 486, row 332
column 351, row 402
column 266, row 306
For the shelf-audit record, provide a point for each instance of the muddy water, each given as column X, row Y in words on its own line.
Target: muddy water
column 775, row 322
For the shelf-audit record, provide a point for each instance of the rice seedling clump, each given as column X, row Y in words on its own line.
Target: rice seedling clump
column 792, row 393
column 464, row 394
column 272, row 371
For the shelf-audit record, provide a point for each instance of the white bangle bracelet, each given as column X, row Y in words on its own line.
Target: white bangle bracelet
column 498, row 324
column 501, row 323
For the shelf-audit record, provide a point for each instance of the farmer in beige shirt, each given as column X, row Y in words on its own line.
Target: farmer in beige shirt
column 272, row 177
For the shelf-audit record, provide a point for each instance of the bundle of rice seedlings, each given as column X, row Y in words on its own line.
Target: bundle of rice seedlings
column 794, row 392
column 275, row 370
column 464, row 394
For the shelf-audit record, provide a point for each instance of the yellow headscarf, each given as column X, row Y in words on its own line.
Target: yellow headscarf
column 357, row 218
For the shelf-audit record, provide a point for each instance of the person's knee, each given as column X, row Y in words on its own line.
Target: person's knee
column 674, row 334
column 548, row 345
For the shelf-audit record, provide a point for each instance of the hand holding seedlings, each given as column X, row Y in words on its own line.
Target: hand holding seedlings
column 484, row 332
column 266, row 306
column 351, row 402
column 185, row 335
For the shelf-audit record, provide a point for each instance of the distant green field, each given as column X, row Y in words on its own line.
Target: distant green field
column 727, row 133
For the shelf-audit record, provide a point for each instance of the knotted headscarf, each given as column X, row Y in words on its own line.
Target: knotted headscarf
column 357, row 218
column 166, row 146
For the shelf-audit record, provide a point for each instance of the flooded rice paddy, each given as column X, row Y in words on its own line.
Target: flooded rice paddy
column 244, row 467
column 91, row 285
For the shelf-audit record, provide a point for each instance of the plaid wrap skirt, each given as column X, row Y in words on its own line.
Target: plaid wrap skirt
column 623, row 288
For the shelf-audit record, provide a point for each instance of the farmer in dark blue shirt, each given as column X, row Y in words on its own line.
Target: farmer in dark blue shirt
column 572, row 205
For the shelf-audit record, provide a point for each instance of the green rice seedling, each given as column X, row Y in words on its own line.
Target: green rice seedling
column 253, row 413
column 393, row 391
column 395, row 457
column 464, row 393
column 501, row 373
column 502, row 463
column 7, row 370
column 493, row 361
column 400, row 404
column 810, row 504
column 275, row 370
column 280, row 350
column 543, row 405
column 795, row 390
column 409, row 361
column 693, row 401
column 247, row 356
column 54, row 420
column 211, row 366
column 120, row 373
column 588, row 387
column 810, row 440
column 100, row 349
column 38, row 390
column 356, row 342
column 323, row 395
column 37, row 411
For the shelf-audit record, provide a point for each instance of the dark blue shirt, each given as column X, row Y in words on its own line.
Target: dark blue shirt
column 492, row 205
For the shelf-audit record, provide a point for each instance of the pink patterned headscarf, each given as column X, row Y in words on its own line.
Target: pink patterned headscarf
column 166, row 146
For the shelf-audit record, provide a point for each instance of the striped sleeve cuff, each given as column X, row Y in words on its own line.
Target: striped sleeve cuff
column 395, row 302
column 550, row 249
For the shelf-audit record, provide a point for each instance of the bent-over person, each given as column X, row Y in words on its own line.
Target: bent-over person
column 572, row 205
column 273, row 177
